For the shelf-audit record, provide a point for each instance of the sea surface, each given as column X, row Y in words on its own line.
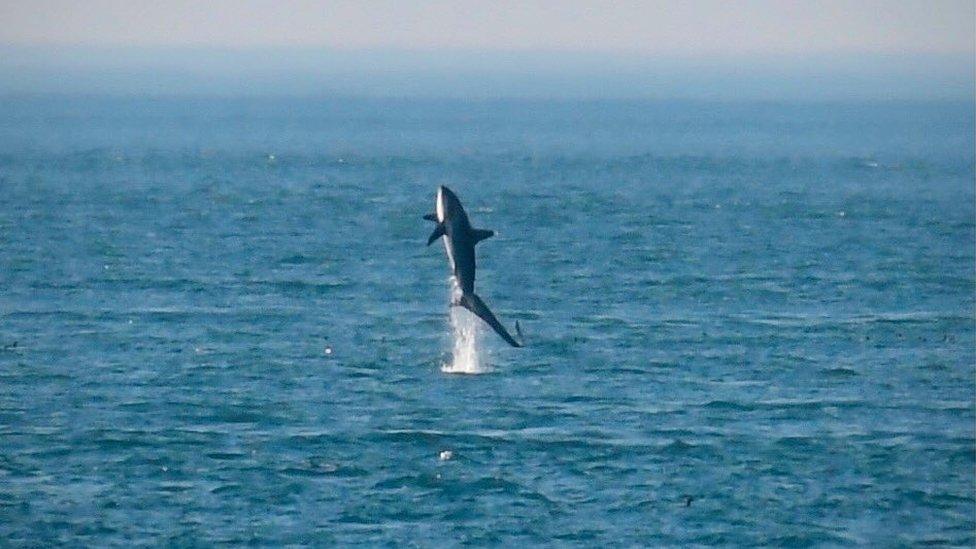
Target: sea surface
column 746, row 323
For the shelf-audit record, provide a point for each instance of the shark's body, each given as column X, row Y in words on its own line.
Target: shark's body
column 459, row 241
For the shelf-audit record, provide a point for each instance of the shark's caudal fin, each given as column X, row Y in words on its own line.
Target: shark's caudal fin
column 474, row 304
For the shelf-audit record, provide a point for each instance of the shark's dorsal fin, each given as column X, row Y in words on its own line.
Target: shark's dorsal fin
column 438, row 232
column 481, row 234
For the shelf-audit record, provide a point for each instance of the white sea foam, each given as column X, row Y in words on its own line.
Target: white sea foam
column 466, row 357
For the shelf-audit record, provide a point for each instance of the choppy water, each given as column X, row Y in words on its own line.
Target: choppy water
column 747, row 323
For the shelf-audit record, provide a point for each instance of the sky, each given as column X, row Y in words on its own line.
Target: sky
column 694, row 48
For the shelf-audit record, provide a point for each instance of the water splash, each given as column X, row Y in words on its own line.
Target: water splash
column 466, row 357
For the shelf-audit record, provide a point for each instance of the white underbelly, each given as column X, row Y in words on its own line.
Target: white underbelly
column 439, row 205
column 450, row 256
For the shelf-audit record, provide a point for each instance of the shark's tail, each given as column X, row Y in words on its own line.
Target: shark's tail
column 474, row 304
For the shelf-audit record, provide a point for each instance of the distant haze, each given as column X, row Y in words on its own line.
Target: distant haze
column 703, row 49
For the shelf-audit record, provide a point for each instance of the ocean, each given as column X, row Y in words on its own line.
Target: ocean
column 747, row 323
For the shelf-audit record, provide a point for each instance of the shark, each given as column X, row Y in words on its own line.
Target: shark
column 459, row 241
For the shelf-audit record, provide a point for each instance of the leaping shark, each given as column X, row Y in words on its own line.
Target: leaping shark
column 459, row 241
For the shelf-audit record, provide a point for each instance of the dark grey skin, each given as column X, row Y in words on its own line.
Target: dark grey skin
column 459, row 241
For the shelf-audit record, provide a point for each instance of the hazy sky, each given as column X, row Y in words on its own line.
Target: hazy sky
column 744, row 49
column 655, row 27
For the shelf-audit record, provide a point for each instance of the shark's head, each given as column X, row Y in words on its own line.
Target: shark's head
column 447, row 204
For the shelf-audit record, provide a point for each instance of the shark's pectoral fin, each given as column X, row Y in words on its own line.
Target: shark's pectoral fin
column 481, row 234
column 474, row 304
column 431, row 217
column 438, row 232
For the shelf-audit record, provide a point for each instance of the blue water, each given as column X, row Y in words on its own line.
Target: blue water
column 747, row 323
